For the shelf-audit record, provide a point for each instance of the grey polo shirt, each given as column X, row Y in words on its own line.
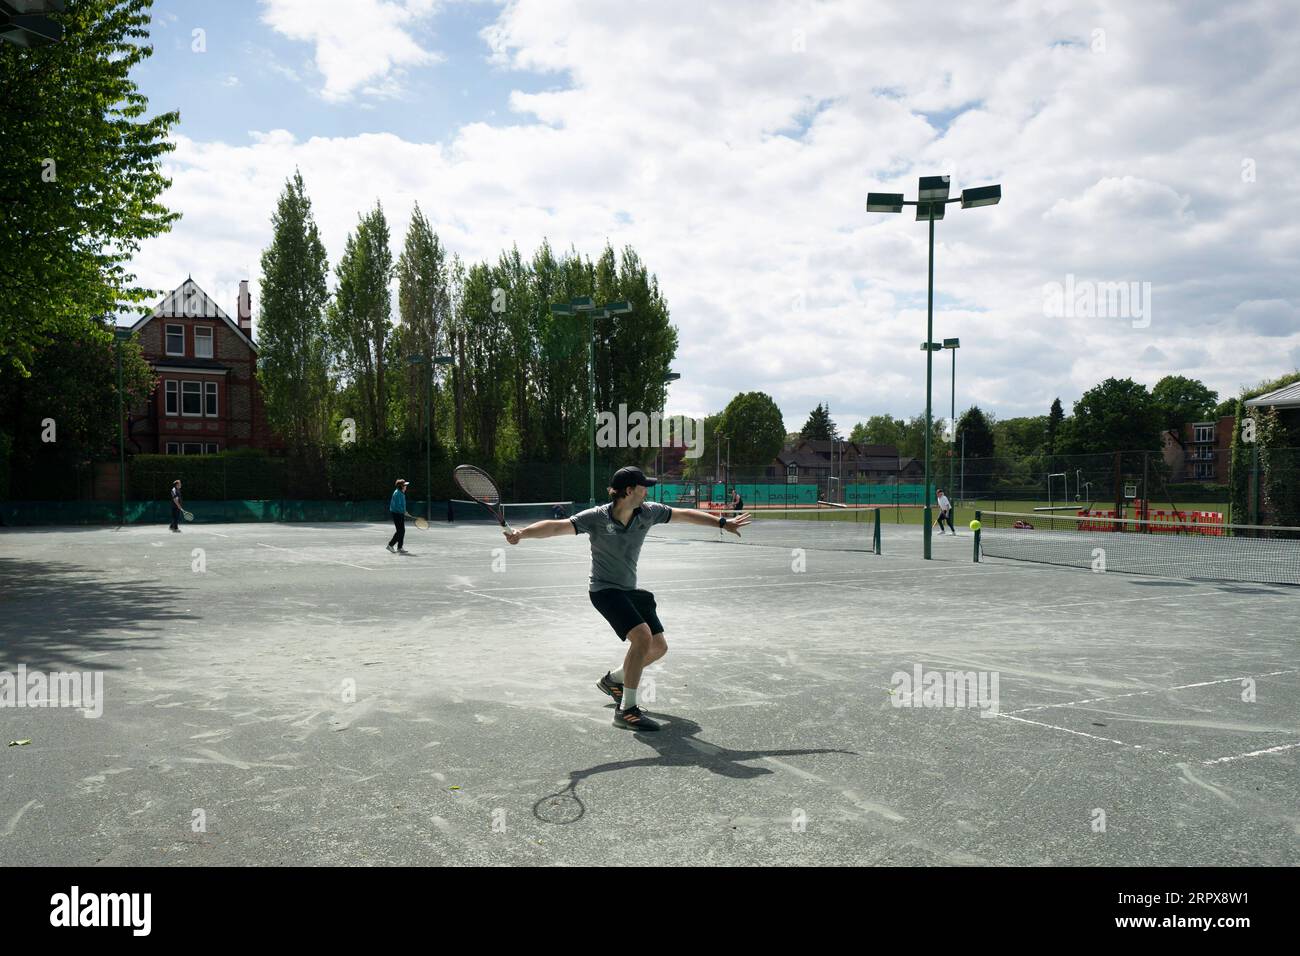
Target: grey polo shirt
column 615, row 548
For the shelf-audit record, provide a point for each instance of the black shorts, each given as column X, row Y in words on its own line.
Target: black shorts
column 626, row 610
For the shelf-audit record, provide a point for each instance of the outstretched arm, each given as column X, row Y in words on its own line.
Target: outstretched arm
column 692, row 516
column 541, row 529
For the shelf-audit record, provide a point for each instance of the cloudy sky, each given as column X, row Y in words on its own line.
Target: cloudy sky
column 733, row 144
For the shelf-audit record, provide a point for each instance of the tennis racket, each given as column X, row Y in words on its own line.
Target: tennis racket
column 188, row 516
column 421, row 523
column 478, row 484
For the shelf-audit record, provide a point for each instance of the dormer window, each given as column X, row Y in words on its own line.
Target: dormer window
column 175, row 340
column 203, row 341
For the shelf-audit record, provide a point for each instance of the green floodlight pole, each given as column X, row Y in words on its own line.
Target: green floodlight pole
column 580, row 304
column 954, row 345
column 667, row 377
column 932, row 198
column 121, row 335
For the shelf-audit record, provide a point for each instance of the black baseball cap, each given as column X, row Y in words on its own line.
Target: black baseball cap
column 629, row 476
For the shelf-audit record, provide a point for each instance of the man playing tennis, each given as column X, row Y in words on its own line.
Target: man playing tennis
column 397, row 511
column 178, row 506
column 945, row 512
column 617, row 531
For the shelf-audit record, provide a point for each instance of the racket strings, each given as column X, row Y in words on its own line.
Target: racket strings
column 477, row 485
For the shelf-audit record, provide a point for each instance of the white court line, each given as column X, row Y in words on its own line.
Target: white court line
column 1253, row 753
column 219, row 534
column 566, row 587
column 308, row 558
column 1080, row 733
column 530, row 607
column 1158, row 690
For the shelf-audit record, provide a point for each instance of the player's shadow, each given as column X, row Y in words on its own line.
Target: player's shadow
column 678, row 746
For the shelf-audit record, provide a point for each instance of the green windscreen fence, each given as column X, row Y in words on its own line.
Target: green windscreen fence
column 20, row 513
column 889, row 494
column 784, row 495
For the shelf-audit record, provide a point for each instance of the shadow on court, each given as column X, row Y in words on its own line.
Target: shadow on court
column 677, row 745
column 56, row 615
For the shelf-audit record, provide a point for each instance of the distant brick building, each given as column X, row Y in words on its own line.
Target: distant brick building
column 207, row 399
column 1205, row 452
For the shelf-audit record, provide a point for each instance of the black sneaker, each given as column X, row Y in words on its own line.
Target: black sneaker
column 607, row 685
column 633, row 719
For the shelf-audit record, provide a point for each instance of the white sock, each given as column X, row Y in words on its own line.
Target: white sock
column 616, row 676
column 629, row 698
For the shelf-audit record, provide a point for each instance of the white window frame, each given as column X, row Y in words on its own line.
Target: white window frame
column 1204, row 433
column 204, row 333
column 173, row 448
column 195, row 444
column 167, row 336
column 198, row 393
column 210, row 389
column 171, row 397
column 211, row 448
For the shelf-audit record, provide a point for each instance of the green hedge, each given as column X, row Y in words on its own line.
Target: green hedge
column 225, row 476
column 6, row 448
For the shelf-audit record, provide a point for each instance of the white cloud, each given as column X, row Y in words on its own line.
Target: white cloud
column 360, row 45
column 678, row 128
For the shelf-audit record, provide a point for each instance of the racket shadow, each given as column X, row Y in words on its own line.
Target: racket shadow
column 677, row 746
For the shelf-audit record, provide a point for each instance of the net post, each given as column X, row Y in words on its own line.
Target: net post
column 977, row 537
column 875, row 531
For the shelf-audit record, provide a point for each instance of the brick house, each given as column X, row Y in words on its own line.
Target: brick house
column 1204, row 452
column 207, row 399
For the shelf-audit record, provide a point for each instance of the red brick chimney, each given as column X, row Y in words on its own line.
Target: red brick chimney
column 244, row 309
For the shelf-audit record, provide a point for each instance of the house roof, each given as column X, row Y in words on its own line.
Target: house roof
column 1288, row 396
column 188, row 301
column 870, row 458
column 845, row 448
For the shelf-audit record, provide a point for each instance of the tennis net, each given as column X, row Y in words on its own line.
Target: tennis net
column 1192, row 546
column 517, row 514
column 816, row 529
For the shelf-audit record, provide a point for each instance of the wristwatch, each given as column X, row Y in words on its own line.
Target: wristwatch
column 722, row 522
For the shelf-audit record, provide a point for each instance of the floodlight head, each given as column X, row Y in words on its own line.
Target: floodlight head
column 415, row 359
column 444, row 360
column 884, row 202
column 952, row 343
column 934, row 347
column 581, row 302
column 927, row 210
column 619, row 308
column 122, row 334
column 672, row 376
column 981, row 196
column 561, row 309
column 23, row 22
column 933, row 188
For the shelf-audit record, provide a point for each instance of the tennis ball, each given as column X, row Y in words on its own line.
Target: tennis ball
column 974, row 525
